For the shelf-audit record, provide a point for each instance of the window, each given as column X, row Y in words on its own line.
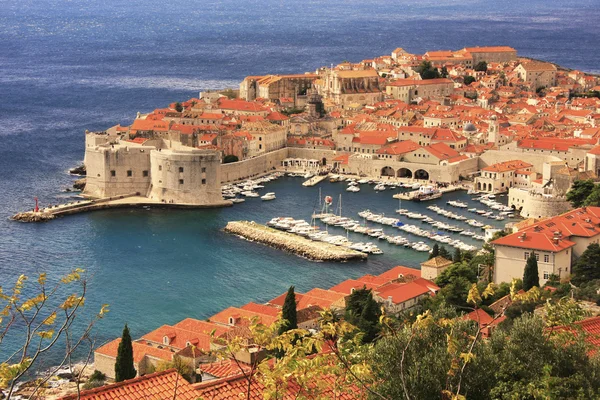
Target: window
column 129, row 173
column 113, row 173
column 203, row 169
column 204, row 181
column 537, row 257
column 165, row 340
column 181, row 181
column 546, row 258
column 145, row 173
column 526, row 255
column 546, row 275
column 230, row 320
column 180, row 169
column 160, row 167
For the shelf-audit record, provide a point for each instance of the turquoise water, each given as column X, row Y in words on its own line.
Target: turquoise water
column 70, row 66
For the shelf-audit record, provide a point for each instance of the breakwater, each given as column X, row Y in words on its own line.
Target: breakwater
column 316, row 251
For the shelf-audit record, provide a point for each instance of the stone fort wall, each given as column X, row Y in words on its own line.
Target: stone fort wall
column 496, row 156
column 236, row 171
column 537, row 205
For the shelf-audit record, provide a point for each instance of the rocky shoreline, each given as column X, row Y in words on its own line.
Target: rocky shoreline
column 316, row 251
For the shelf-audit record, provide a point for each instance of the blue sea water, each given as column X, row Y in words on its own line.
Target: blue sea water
column 67, row 66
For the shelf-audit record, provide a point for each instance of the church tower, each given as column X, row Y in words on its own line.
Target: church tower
column 494, row 131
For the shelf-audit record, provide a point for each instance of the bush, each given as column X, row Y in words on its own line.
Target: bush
column 230, row 158
column 97, row 376
column 92, row 384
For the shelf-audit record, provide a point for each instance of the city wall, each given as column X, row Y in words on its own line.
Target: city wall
column 236, row 171
column 537, row 205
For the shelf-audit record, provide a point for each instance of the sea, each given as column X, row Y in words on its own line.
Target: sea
column 67, row 66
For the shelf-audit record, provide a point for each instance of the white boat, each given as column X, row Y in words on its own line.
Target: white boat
column 352, row 188
column 268, row 196
column 238, row 200
column 379, row 187
column 249, row 193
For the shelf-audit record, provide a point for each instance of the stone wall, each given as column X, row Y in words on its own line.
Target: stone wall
column 495, row 156
column 186, row 177
column 117, row 170
column 236, row 171
column 537, row 205
column 312, row 154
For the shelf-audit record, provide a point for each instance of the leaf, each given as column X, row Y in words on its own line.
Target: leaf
column 473, row 296
column 42, row 278
column 50, row 320
column 46, row 334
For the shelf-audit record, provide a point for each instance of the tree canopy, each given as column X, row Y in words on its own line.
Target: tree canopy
column 230, row 158
column 587, row 267
column 469, row 79
column 289, row 312
column 363, row 312
column 481, row 66
column 428, row 71
column 579, row 192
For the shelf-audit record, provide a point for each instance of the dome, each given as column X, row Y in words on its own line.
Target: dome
column 469, row 127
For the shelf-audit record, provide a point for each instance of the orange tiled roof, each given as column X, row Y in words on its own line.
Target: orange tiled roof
column 400, row 271
column 221, row 369
column 349, row 285
column 507, row 166
column 140, row 350
column 157, row 386
column 240, row 316
column 178, row 338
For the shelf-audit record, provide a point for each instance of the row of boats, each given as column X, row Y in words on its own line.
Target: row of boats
column 302, row 228
column 249, row 188
column 433, row 235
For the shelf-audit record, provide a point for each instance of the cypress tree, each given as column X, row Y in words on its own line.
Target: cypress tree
column 435, row 251
column 124, row 365
column 369, row 319
column 531, row 277
column 457, row 257
column 289, row 312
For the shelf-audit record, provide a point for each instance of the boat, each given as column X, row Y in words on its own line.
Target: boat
column 249, row 193
column 237, row 200
column 268, row 196
column 379, row 187
column 426, row 193
column 352, row 188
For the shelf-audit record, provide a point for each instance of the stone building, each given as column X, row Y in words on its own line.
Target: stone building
column 537, row 74
column 351, row 87
column 431, row 269
column 409, row 90
column 491, row 54
column 274, row 87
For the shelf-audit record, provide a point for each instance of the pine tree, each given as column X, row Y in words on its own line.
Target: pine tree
column 445, row 253
column 368, row 322
column 531, row 277
column 457, row 257
column 435, row 251
column 124, row 365
column 289, row 312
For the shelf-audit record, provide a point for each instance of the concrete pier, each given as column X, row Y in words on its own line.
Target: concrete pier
column 314, row 180
column 317, row 251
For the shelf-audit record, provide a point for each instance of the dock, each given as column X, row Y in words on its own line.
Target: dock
column 410, row 195
column 133, row 200
column 314, row 180
column 316, row 251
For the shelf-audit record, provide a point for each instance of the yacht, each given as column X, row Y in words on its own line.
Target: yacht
column 268, row 196
column 379, row 187
column 237, row 200
column 249, row 193
column 352, row 188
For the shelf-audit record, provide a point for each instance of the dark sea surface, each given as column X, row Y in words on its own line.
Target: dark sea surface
column 67, row 66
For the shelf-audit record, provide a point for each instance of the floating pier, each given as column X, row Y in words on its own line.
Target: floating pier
column 316, row 251
column 314, row 180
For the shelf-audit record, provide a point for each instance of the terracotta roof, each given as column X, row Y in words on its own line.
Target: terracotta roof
column 402, row 292
column 221, row 369
column 308, row 314
column 261, row 309
column 441, row 151
column 396, row 148
column 349, row 285
column 197, row 325
column 178, row 338
column 400, row 272
column 437, row 262
column 367, row 73
column 534, row 241
column 507, row 166
column 279, row 300
column 241, row 316
column 157, row 386
column 424, row 82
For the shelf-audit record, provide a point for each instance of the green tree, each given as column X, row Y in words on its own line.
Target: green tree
column 444, row 72
column 435, row 251
column 531, row 276
column 363, row 312
column 124, row 364
column 445, row 253
column 579, row 192
column 593, row 200
column 230, row 158
column 457, row 257
column 178, row 107
column 587, row 267
column 289, row 312
column 469, row 79
column 427, row 71
column 481, row 66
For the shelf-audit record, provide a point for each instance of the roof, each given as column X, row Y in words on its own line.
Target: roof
column 140, row 350
column 441, row 151
column 224, row 368
column 402, row 292
column 235, row 387
column 424, row 82
column 239, row 315
column 507, row 166
column 538, row 66
column 349, row 285
column 534, row 241
column 400, row 272
column 279, row 300
column 178, row 338
column 590, row 326
column 157, row 386
column 261, row 309
column 437, row 262
column 367, row 73
column 396, row 148
column 489, row 49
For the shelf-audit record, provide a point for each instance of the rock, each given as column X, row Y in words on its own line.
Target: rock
column 31, row 216
column 78, row 170
column 79, row 184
